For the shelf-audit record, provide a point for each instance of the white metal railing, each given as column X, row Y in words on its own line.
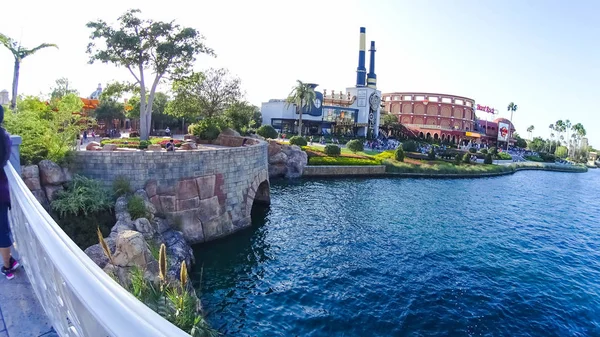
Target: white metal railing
column 79, row 298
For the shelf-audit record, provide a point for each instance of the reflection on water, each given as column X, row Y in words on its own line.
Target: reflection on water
column 517, row 255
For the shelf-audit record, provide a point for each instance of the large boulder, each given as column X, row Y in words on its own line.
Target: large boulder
column 297, row 160
column 120, row 226
column 278, row 158
column 131, row 250
column 51, row 173
column 230, row 132
column 52, row 191
column 109, row 147
column 97, row 254
column 121, row 212
column 274, row 148
column 277, row 171
column 92, row 146
column 155, row 147
column 188, row 146
column 31, row 177
column 177, row 251
column 147, row 228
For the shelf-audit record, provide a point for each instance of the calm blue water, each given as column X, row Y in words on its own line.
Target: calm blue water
column 510, row 256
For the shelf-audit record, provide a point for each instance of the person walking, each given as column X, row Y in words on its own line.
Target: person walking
column 9, row 263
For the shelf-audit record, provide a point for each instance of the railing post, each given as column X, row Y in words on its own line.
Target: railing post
column 15, row 154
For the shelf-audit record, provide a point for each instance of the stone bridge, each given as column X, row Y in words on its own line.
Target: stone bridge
column 206, row 193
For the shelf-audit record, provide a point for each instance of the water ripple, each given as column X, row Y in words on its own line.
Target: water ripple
column 510, row 256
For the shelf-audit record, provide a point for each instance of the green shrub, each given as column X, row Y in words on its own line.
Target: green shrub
column 81, row 208
column 297, row 140
column 399, row 154
column 332, row 150
column 472, row 150
column 81, row 197
column 144, row 144
column 484, row 151
column 205, row 129
column 504, row 156
column 548, row 158
column 355, row 145
column 410, row 146
column 467, row 158
column 137, row 207
column 267, row 131
column 458, row 158
column 493, row 150
column 345, row 161
column 431, row 154
column 488, row 159
column 121, row 186
column 534, row 158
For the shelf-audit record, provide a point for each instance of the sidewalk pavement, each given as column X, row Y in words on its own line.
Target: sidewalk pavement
column 21, row 315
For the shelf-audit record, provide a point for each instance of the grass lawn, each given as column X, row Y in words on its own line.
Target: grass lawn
column 441, row 167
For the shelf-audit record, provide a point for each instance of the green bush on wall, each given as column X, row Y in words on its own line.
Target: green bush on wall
column 267, row 131
column 297, row 140
column 484, row 151
column 472, row 150
column 332, row 150
column 355, row 145
column 205, row 130
column 488, row 159
column 410, row 146
column 399, row 154
column 137, row 208
column 81, row 208
column 467, row 158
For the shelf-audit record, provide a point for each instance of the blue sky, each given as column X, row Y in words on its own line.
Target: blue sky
column 543, row 55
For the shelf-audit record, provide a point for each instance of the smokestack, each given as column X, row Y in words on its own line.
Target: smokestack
column 371, row 77
column 361, row 71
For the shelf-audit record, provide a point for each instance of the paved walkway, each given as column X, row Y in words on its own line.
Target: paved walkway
column 20, row 312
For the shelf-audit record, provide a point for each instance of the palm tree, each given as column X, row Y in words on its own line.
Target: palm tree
column 530, row 131
column 19, row 53
column 512, row 107
column 559, row 127
column 302, row 95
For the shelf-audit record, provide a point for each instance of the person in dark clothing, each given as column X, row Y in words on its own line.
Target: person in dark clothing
column 9, row 263
column 170, row 146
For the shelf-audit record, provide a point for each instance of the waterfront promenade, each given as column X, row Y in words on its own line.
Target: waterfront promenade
column 21, row 315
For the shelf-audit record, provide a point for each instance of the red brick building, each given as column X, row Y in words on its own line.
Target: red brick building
column 441, row 117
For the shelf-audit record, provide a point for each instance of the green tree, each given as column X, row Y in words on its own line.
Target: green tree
column 530, row 131
column 19, row 53
column 267, row 131
column 241, row 116
column 302, row 96
column 520, row 142
column 142, row 45
column 108, row 110
column 389, row 120
column 512, row 107
column 355, row 145
column 205, row 95
column 62, row 89
column 537, row 144
column 561, row 152
column 159, row 110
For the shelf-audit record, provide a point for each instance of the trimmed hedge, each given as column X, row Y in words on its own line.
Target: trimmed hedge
column 355, row 145
column 345, row 161
column 332, row 150
column 399, row 154
column 297, row 140
column 488, row 159
column 267, row 131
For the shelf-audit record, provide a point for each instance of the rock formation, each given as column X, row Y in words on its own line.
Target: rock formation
column 285, row 160
column 45, row 180
column 132, row 243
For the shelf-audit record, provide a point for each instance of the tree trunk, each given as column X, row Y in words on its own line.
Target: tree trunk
column 15, row 85
column 300, row 120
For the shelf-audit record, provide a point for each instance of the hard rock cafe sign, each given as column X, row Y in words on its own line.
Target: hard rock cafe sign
column 485, row 108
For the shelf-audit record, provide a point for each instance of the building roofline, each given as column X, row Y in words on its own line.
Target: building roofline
column 424, row 94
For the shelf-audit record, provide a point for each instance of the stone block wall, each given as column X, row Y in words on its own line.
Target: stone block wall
column 207, row 193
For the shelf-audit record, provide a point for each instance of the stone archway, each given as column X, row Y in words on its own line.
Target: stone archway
column 421, row 135
column 435, row 136
column 258, row 193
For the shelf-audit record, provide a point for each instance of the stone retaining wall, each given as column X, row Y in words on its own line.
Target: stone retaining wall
column 207, row 193
column 335, row 170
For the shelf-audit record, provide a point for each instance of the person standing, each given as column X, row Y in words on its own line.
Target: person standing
column 9, row 263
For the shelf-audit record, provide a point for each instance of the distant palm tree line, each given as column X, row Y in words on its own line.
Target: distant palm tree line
column 19, row 53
